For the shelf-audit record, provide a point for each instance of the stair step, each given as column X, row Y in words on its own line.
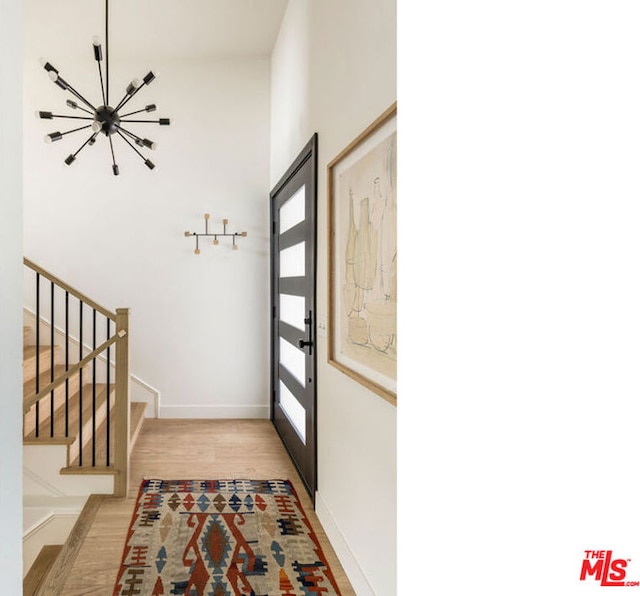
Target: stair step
column 44, row 409
column 25, row 334
column 29, row 355
column 60, row 426
column 40, row 568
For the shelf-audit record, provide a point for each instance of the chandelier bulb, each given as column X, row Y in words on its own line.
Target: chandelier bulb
column 72, row 104
column 197, row 251
column 133, row 85
column 46, row 65
column 69, row 160
column 97, row 49
column 96, row 126
column 151, row 107
column 116, row 169
column 53, row 75
column 54, row 136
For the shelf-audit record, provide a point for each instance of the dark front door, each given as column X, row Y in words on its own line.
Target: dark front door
column 293, row 301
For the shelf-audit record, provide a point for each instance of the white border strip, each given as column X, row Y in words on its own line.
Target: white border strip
column 209, row 412
column 340, row 545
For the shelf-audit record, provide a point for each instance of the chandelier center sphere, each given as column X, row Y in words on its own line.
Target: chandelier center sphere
column 106, row 120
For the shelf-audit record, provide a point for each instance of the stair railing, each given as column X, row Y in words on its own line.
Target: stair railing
column 73, row 319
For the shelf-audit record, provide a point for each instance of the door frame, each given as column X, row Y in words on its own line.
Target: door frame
column 309, row 152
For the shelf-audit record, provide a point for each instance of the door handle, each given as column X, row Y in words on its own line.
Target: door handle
column 304, row 343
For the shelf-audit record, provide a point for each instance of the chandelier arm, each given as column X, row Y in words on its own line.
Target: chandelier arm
column 132, row 113
column 121, row 103
column 113, row 157
column 127, row 98
column 129, row 133
column 75, row 130
column 147, row 121
column 84, row 110
column 82, row 99
column 93, row 136
column 104, row 97
column 131, row 145
column 106, row 41
column 71, row 117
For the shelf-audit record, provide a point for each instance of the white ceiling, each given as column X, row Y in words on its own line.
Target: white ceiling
column 160, row 28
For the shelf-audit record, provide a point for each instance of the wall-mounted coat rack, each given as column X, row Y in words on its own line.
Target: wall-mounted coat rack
column 214, row 234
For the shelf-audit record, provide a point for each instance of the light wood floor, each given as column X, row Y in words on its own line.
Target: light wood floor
column 187, row 449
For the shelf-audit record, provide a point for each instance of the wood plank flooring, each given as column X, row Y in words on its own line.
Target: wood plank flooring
column 186, row 449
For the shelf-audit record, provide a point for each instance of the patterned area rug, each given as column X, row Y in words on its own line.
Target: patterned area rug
column 221, row 538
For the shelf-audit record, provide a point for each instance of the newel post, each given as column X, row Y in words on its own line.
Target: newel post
column 121, row 407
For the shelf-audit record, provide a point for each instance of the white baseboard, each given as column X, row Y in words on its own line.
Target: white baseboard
column 341, row 547
column 209, row 412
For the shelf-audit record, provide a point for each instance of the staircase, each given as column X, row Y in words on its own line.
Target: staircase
column 79, row 424
column 74, row 419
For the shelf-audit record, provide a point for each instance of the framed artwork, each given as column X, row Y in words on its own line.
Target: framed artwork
column 363, row 285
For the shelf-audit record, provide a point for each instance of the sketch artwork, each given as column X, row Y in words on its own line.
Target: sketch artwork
column 365, row 284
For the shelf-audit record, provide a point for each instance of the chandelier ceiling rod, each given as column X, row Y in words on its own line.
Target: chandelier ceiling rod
column 105, row 119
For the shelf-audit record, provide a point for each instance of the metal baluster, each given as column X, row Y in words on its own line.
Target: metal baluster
column 93, row 403
column 66, row 363
column 52, row 340
column 80, row 393
column 37, row 352
column 108, row 392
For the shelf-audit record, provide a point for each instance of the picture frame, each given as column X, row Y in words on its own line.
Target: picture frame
column 362, row 242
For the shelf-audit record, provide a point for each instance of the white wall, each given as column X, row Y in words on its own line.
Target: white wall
column 11, row 297
column 335, row 76
column 199, row 323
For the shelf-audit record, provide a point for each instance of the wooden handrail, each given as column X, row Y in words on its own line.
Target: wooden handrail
column 30, row 401
column 79, row 295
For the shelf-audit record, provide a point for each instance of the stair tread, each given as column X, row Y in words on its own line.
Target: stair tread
column 59, row 426
column 29, row 385
column 29, row 351
column 40, row 568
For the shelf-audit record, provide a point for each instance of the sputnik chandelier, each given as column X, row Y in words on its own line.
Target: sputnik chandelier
column 104, row 119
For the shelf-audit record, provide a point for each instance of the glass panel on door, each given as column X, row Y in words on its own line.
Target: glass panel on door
column 294, row 411
column 292, row 310
column 293, row 360
column 292, row 261
column 292, row 211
